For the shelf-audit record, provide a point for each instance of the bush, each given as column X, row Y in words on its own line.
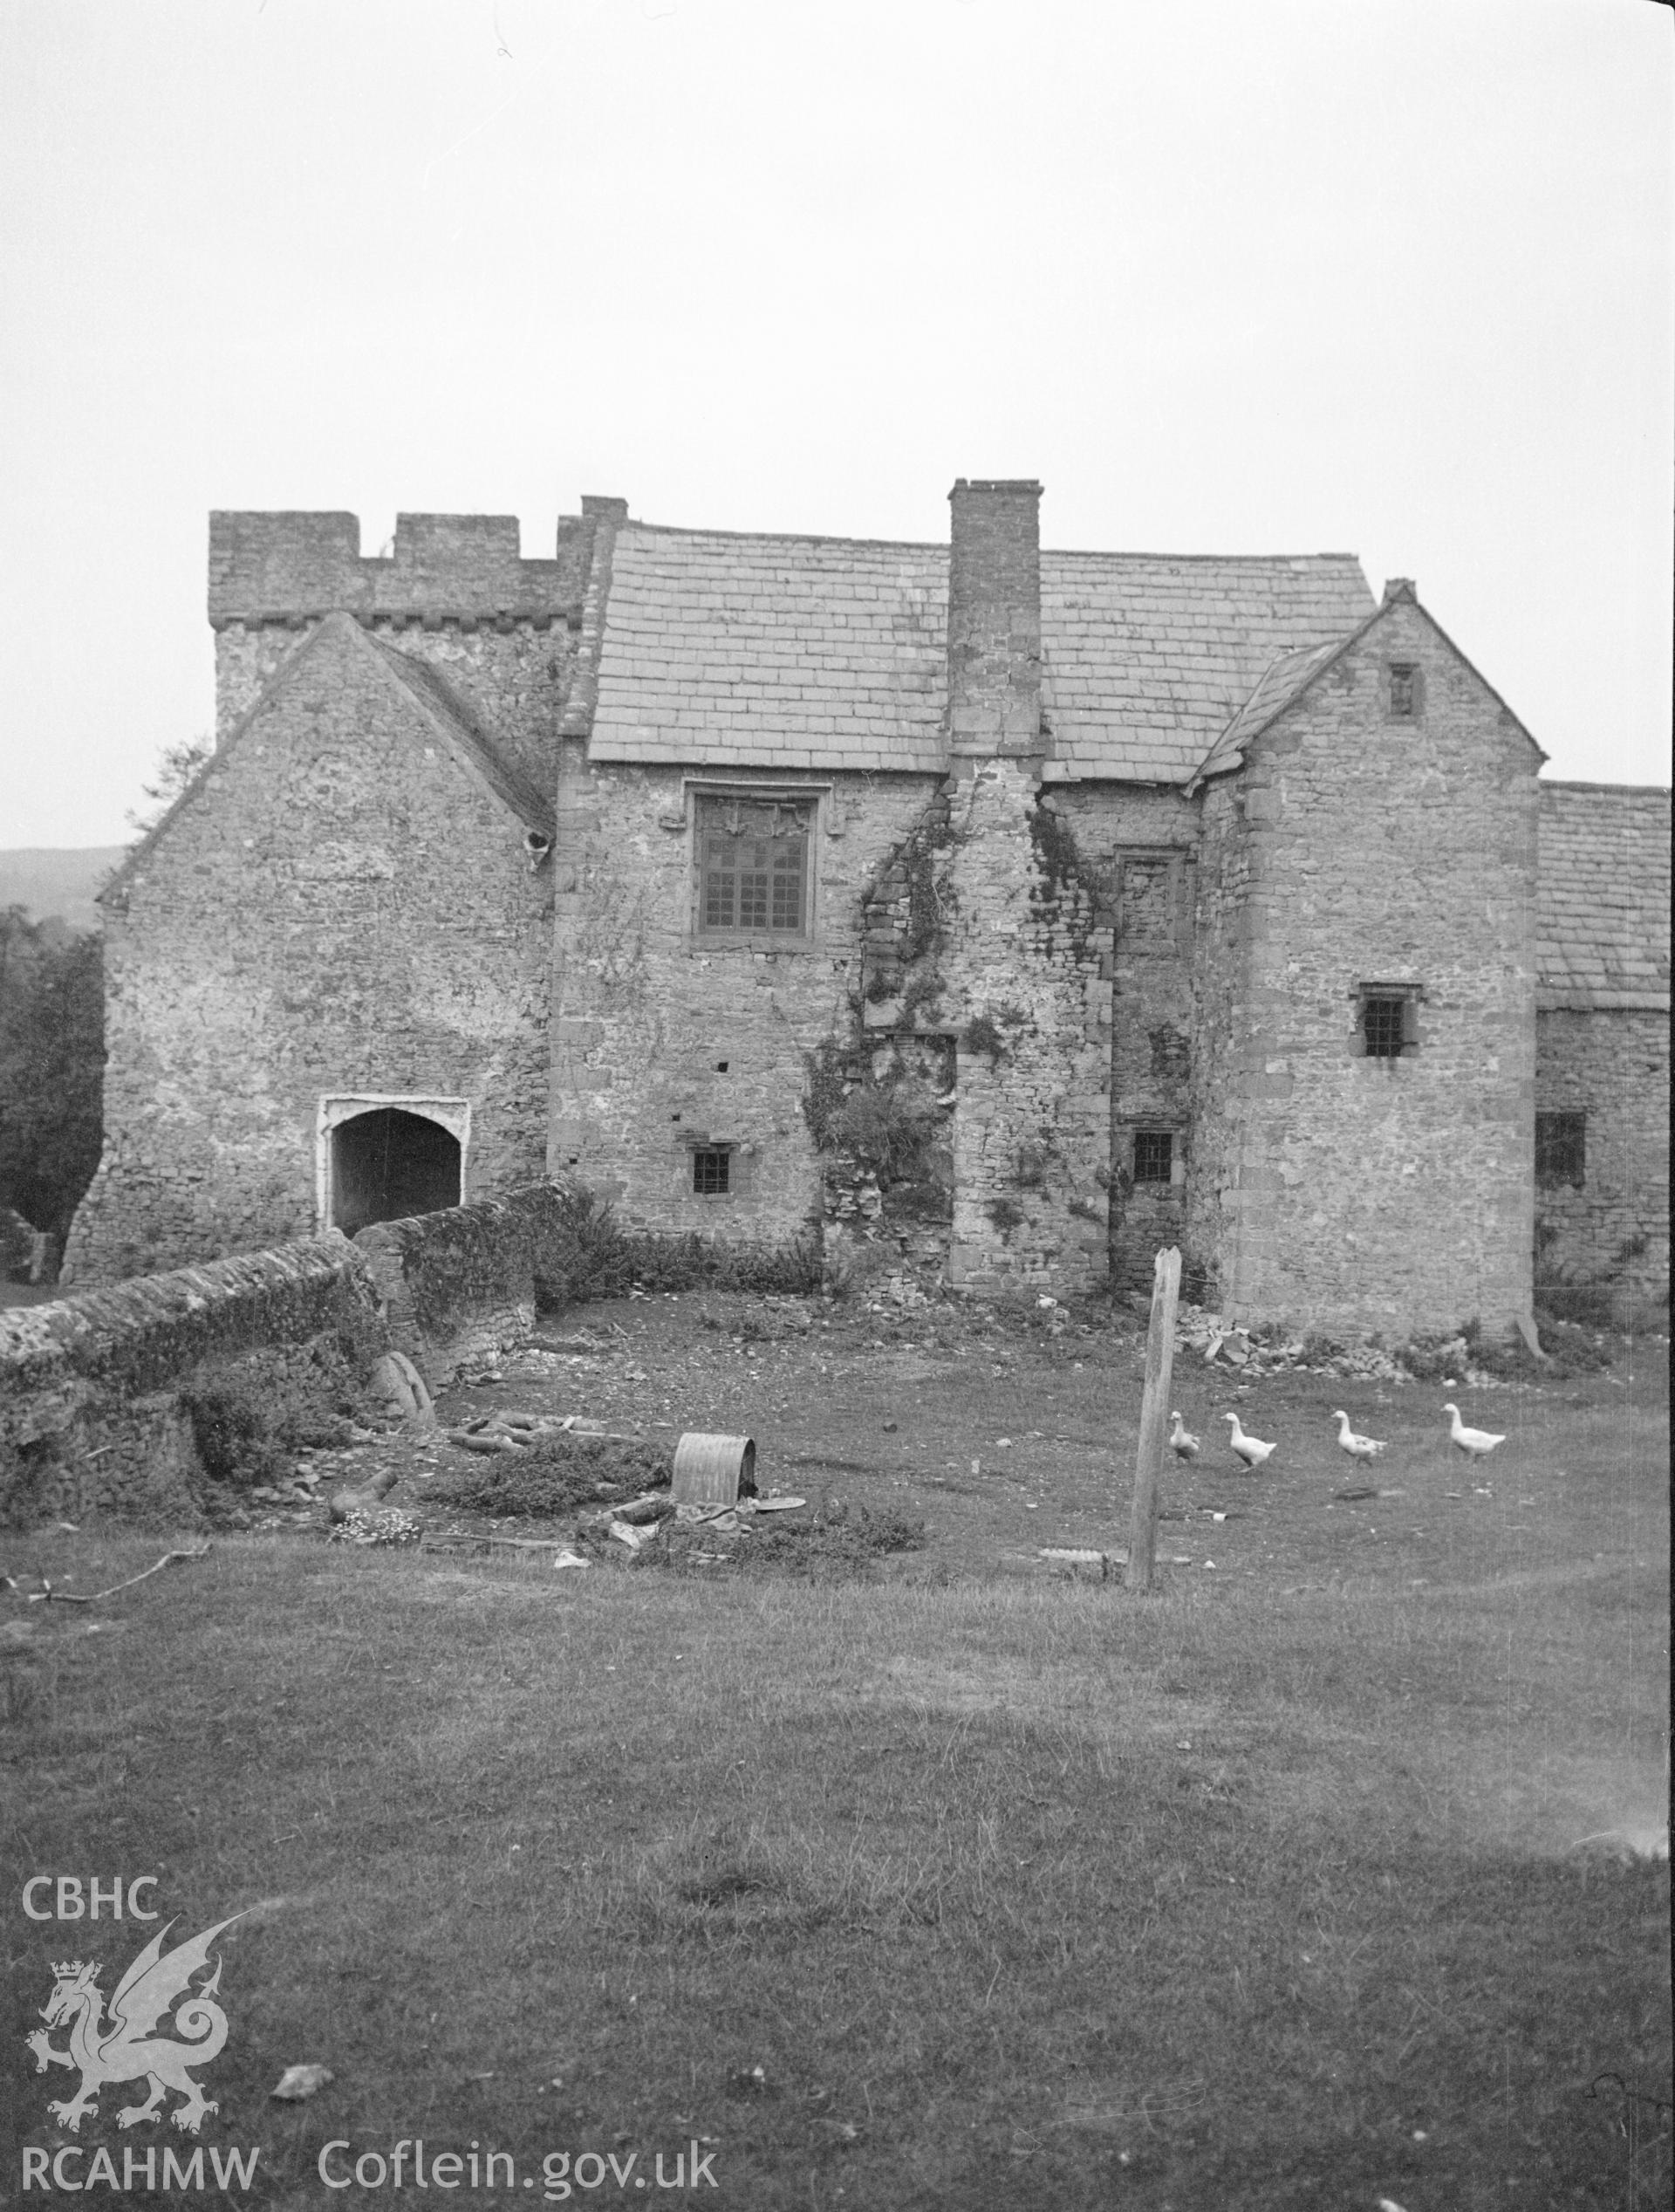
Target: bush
column 597, row 1258
column 1586, row 1305
column 554, row 1475
column 251, row 1412
column 843, row 1545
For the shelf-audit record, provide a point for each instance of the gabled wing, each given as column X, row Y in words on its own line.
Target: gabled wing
column 154, row 1981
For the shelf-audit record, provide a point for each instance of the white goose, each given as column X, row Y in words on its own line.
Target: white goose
column 1476, row 1443
column 1251, row 1449
column 1182, row 1443
column 1356, row 1447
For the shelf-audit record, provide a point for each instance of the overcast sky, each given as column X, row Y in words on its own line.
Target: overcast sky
column 1241, row 275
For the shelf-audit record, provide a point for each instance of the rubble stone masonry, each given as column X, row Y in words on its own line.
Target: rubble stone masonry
column 664, row 1041
column 338, row 910
column 1330, row 1188
column 1612, row 1226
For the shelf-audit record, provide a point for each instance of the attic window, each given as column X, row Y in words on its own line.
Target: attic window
column 1387, row 1020
column 1154, row 1155
column 1406, row 691
column 712, row 1171
column 1560, row 1149
column 753, row 868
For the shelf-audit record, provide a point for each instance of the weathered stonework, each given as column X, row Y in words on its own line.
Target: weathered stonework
column 92, row 1423
column 1612, row 1227
column 1368, row 1194
column 1082, row 869
column 346, row 907
column 663, row 1043
column 1603, row 1038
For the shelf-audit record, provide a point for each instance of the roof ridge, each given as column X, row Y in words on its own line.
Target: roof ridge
column 1578, row 784
column 1097, row 553
column 788, row 536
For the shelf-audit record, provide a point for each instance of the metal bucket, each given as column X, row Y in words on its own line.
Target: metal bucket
column 714, row 1470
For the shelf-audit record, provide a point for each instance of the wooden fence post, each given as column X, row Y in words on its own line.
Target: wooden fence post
column 1154, row 1415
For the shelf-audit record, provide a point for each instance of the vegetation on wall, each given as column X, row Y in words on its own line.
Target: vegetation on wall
column 176, row 767
column 592, row 1256
column 51, row 1068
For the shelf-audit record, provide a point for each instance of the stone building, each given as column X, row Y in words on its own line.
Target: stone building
column 994, row 914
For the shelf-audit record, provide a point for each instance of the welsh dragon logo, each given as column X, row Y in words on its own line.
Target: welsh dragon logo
column 124, row 2049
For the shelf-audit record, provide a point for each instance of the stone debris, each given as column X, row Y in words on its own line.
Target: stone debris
column 633, row 1537
column 1220, row 1342
column 401, row 1391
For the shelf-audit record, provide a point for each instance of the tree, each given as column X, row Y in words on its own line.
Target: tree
column 176, row 766
column 51, row 1068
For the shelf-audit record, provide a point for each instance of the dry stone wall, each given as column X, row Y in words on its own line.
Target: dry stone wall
column 91, row 1424
column 459, row 1285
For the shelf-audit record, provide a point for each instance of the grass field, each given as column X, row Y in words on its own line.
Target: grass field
column 952, row 1885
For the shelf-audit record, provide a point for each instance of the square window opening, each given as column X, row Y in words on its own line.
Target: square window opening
column 712, row 1171
column 753, row 866
column 1154, row 1155
column 1560, row 1149
column 1386, row 1020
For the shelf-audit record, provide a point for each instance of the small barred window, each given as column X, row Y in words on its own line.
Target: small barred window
column 1386, row 1020
column 712, row 1168
column 1560, row 1149
column 1381, row 1021
column 1154, row 1155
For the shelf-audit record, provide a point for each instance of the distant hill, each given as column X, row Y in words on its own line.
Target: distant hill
column 57, row 879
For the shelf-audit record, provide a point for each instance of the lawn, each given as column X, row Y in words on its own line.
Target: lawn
column 951, row 1883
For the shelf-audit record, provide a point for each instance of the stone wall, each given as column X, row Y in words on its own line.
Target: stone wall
column 513, row 676
column 986, row 971
column 453, row 592
column 338, row 911
column 664, row 1041
column 1613, row 1227
column 1335, row 1189
column 90, row 1419
column 462, row 1285
column 1138, row 847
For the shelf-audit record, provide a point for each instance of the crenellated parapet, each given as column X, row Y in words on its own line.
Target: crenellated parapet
column 444, row 572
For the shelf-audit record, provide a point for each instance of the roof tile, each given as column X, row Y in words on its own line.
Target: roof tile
column 1603, row 920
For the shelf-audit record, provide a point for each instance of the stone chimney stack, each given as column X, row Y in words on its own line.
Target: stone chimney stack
column 995, row 618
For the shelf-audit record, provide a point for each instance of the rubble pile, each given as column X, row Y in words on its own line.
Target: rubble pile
column 1220, row 1342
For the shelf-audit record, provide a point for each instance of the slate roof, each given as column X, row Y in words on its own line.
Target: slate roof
column 1285, row 676
column 819, row 653
column 775, row 652
column 1603, row 916
column 1149, row 656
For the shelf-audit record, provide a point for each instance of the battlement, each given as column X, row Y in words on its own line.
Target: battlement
column 292, row 568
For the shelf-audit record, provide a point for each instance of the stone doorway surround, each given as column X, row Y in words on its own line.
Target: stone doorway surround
column 336, row 1108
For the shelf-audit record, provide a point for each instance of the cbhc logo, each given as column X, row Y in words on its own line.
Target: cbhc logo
column 73, row 1903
